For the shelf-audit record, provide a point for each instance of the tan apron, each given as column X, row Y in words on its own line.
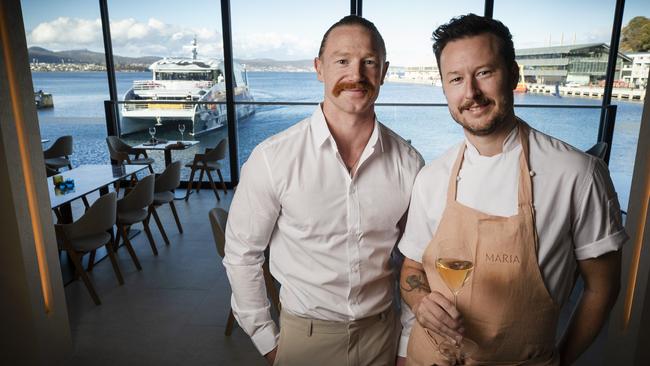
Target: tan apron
column 506, row 307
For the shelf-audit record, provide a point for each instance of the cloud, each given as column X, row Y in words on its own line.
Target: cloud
column 130, row 37
column 134, row 38
column 274, row 45
column 67, row 33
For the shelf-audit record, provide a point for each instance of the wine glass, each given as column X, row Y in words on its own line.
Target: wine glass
column 455, row 264
column 181, row 129
column 152, row 132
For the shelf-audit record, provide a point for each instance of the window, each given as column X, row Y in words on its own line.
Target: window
column 67, row 63
column 168, row 59
column 276, row 42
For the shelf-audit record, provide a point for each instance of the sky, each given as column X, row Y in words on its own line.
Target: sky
column 292, row 29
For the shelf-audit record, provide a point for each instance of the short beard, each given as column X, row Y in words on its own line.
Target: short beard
column 494, row 124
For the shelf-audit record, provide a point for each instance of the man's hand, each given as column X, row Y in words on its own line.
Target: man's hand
column 270, row 357
column 439, row 315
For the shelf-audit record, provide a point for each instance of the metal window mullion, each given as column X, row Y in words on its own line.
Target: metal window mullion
column 112, row 127
column 230, row 92
column 488, row 10
column 356, row 7
column 606, row 128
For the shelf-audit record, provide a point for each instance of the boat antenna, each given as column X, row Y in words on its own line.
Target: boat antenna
column 194, row 48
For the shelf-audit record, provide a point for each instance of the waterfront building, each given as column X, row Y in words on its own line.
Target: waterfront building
column 581, row 64
column 414, row 74
column 637, row 72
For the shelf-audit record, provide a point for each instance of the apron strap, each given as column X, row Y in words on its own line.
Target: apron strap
column 453, row 178
column 525, row 195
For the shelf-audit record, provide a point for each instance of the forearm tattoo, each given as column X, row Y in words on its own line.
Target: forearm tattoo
column 415, row 282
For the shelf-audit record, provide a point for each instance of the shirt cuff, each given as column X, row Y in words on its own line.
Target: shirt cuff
column 403, row 345
column 266, row 339
column 611, row 243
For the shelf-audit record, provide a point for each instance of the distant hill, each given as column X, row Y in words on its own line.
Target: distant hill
column 84, row 57
column 43, row 55
column 267, row 63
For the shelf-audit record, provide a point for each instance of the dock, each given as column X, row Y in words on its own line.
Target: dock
column 587, row 91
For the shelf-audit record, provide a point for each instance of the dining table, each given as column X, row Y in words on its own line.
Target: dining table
column 83, row 180
column 87, row 179
column 167, row 147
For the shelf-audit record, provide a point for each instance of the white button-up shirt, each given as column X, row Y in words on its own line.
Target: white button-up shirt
column 577, row 214
column 330, row 234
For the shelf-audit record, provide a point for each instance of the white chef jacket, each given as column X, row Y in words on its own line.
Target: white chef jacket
column 330, row 235
column 577, row 214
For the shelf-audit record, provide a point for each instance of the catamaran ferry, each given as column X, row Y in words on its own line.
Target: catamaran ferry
column 179, row 83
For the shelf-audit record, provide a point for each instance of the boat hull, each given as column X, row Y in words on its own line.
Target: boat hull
column 200, row 118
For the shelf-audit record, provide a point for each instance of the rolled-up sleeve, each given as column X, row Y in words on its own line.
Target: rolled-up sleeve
column 251, row 221
column 598, row 228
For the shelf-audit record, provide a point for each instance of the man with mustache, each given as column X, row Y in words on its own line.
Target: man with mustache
column 532, row 211
column 328, row 197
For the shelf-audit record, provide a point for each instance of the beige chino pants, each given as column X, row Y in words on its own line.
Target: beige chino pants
column 371, row 341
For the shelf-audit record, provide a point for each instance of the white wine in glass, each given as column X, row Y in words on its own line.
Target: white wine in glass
column 454, row 272
column 454, row 265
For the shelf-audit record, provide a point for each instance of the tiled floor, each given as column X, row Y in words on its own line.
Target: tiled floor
column 173, row 312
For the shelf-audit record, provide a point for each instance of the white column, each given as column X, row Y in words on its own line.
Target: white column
column 34, row 327
column 628, row 337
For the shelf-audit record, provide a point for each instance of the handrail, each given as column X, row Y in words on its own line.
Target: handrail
column 555, row 106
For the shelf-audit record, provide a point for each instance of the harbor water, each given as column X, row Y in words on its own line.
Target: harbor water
column 79, row 111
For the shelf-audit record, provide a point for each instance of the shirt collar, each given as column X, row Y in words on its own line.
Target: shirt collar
column 321, row 133
column 509, row 143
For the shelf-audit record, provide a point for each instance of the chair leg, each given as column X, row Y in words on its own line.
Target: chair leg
column 57, row 212
column 230, row 323
column 129, row 247
column 223, row 184
column 152, row 210
column 147, row 231
column 116, row 242
column 91, row 260
column 116, row 267
column 178, row 222
column 198, row 188
column 214, row 188
column 85, row 201
column 189, row 184
column 84, row 276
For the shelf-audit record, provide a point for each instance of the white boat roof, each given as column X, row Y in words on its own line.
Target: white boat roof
column 185, row 64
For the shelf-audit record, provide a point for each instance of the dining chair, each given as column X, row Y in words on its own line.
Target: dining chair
column 598, row 150
column 91, row 231
column 218, row 218
column 205, row 163
column 57, row 155
column 133, row 208
column 165, row 183
column 124, row 153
